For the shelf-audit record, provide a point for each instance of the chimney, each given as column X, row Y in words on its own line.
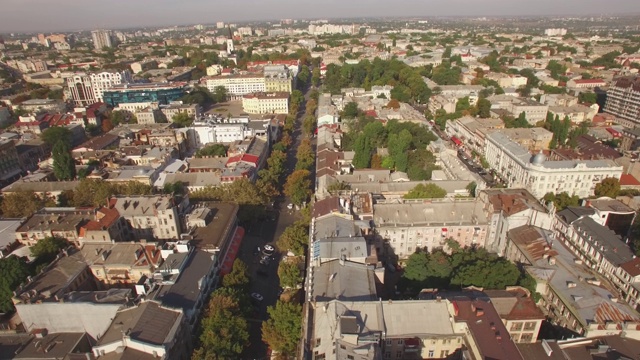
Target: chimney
column 343, row 259
column 479, row 312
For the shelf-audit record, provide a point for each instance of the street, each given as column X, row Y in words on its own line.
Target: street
column 264, row 232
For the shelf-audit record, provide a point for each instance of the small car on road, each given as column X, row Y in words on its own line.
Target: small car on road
column 257, row 296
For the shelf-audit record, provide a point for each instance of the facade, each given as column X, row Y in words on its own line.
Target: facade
column 9, row 161
column 623, row 99
column 266, row 103
column 237, row 85
column 533, row 110
column 162, row 93
column 630, row 139
column 100, row 82
column 101, row 39
column 507, row 209
column 80, row 90
column 412, row 225
column 149, row 217
column 171, row 110
column 518, row 168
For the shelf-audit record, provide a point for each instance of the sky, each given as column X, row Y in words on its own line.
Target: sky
column 66, row 15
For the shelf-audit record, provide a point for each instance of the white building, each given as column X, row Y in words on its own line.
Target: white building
column 102, row 81
column 519, row 168
column 237, row 85
column 203, row 133
column 266, row 103
column 101, row 39
column 80, row 90
column 555, row 32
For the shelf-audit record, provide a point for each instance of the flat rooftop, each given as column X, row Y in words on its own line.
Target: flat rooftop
column 349, row 281
column 222, row 218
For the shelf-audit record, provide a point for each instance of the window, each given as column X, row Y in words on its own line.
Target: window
column 350, row 357
column 318, row 342
column 526, row 337
column 400, row 342
column 431, row 353
column 530, row 325
column 516, row 326
column 399, row 354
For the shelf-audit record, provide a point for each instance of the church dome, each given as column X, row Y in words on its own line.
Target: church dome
column 538, row 159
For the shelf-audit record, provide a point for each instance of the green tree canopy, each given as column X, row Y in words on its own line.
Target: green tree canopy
column 53, row 135
column 212, row 150
column 14, row 271
column 182, row 119
column 294, row 238
column 224, row 331
column 562, row 200
column 283, row 329
column 298, row 186
column 289, row 274
column 20, row 204
column 47, row 248
column 238, row 277
column 305, row 156
column 64, row 167
column 608, row 187
column 426, row 191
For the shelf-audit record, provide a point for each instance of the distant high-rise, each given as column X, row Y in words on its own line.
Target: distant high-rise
column 220, row 25
column 101, row 39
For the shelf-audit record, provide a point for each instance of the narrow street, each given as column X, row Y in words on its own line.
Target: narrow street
column 260, row 233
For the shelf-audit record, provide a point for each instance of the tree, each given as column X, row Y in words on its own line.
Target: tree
column 220, row 94
column 298, row 186
column 363, row 150
column 92, row 193
column 609, row 187
column 471, row 187
column 20, row 204
column 562, row 200
column 289, row 274
column 224, row 331
column 484, row 108
column 53, row 135
column 305, row 156
column 212, row 150
column 47, row 248
column 283, row 329
column 294, row 238
column 308, row 125
column 14, row 271
column 106, row 125
column 118, row 117
column 182, row 119
column 426, row 191
column 350, row 110
column 238, row 277
column 64, row 167
column 588, row 97
column 339, row 186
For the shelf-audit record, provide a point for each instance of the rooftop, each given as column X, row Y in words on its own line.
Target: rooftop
column 604, row 240
column 50, row 346
column 347, row 281
column 141, row 205
column 221, row 219
column 434, row 213
column 485, row 325
column 512, row 201
column 612, row 205
column 149, row 322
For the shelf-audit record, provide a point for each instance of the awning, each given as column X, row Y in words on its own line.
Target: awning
column 456, row 140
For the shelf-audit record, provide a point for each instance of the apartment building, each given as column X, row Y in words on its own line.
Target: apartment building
column 533, row 110
column 623, row 99
column 101, row 39
column 630, row 139
column 519, row 168
column 173, row 109
column 586, row 83
column 266, row 103
column 149, row 217
column 572, row 296
column 418, row 224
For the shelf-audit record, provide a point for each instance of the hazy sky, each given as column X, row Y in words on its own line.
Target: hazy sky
column 51, row 15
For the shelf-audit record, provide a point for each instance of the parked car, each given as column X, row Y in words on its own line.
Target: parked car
column 257, row 296
column 290, row 206
column 268, row 250
column 265, row 261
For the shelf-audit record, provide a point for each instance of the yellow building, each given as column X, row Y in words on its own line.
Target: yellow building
column 266, row 103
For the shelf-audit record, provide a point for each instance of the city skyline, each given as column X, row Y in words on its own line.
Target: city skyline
column 70, row 15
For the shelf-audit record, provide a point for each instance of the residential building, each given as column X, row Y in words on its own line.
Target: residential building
column 506, row 209
column 533, row 110
column 40, row 105
column 162, row 93
column 149, row 115
column 630, row 139
column 9, row 162
column 518, row 168
column 327, row 112
column 151, row 330
column 601, row 347
column 555, row 32
column 203, row 133
column 384, row 330
column 149, row 217
column 41, row 344
column 175, row 108
column 573, row 297
column 576, row 113
column 588, row 148
column 266, row 103
column 623, row 99
column 102, row 81
column 586, row 83
column 411, row 225
column 141, row 66
column 344, row 280
column 101, row 39
column 446, row 103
